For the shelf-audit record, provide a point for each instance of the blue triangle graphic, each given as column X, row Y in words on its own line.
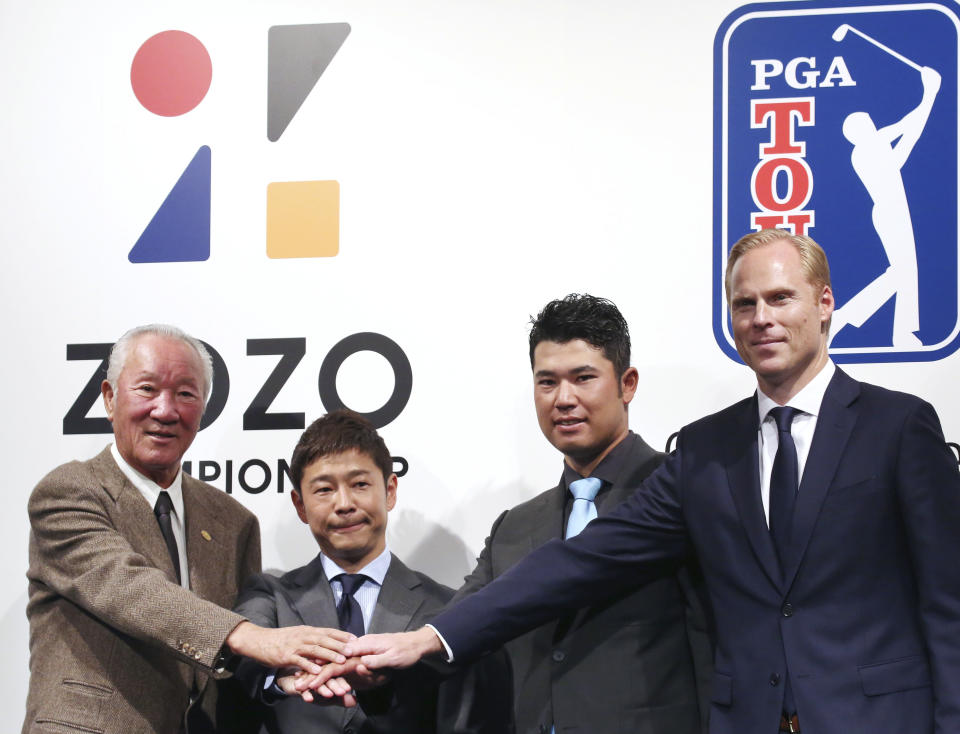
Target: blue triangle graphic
column 180, row 230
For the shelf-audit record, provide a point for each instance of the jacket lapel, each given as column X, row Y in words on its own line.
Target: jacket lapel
column 834, row 425
column 398, row 601
column 140, row 524
column 743, row 474
column 552, row 519
column 312, row 597
column 207, row 541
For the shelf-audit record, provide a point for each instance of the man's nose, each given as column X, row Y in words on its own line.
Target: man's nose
column 164, row 407
column 343, row 500
column 761, row 314
column 566, row 394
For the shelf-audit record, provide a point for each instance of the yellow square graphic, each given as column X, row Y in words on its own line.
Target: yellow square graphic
column 303, row 219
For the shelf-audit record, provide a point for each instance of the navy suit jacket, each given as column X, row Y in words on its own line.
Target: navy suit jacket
column 866, row 612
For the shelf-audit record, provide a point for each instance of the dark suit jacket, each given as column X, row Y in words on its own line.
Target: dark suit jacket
column 116, row 645
column 621, row 665
column 866, row 614
column 416, row 701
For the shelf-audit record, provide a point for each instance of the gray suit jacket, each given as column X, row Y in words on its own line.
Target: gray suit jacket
column 116, row 645
column 416, row 701
column 636, row 663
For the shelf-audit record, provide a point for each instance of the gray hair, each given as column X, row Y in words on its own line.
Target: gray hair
column 121, row 350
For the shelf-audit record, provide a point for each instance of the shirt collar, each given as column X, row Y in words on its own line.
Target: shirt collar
column 807, row 400
column 607, row 470
column 149, row 488
column 376, row 570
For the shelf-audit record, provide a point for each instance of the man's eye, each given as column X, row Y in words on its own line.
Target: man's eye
column 584, row 378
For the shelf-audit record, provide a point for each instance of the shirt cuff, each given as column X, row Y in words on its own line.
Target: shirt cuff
column 446, row 647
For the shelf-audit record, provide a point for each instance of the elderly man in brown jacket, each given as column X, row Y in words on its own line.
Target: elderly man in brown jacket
column 132, row 564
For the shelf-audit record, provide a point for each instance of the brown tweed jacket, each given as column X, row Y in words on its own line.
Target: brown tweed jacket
column 116, row 646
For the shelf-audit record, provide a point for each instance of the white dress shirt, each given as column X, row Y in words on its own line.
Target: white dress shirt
column 369, row 591
column 151, row 493
column 804, row 424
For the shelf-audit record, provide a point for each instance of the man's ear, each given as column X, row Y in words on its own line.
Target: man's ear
column 106, row 390
column 628, row 384
column 297, row 500
column 391, row 491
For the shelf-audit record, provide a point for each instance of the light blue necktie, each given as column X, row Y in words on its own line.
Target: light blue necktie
column 584, row 510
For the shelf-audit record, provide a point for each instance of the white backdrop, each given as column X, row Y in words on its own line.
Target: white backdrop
column 491, row 156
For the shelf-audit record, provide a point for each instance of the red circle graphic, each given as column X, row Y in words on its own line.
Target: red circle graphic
column 171, row 73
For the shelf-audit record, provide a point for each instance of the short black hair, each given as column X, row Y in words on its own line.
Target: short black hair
column 334, row 433
column 597, row 321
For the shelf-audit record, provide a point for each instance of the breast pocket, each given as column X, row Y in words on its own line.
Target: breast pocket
column 854, row 496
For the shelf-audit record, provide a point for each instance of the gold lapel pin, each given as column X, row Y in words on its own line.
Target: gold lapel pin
column 205, row 535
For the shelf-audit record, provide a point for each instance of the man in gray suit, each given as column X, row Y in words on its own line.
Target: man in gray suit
column 344, row 486
column 632, row 663
column 132, row 564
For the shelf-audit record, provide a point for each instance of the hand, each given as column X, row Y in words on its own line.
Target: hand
column 336, row 691
column 394, row 650
column 353, row 673
column 286, row 647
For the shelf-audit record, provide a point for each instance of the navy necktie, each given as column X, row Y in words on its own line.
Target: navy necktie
column 162, row 510
column 784, row 482
column 348, row 610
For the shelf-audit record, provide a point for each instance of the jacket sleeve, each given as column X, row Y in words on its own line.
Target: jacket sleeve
column 643, row 538
column 77, row 552
column 929, row 491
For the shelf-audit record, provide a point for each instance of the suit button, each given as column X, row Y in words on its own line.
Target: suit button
column 774, row 679
column 787, row 609
column 558, row 656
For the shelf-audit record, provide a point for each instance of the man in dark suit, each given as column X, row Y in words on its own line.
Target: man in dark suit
column 344, row 486
column 127, row 617
column 824, row 512
column 634, row 647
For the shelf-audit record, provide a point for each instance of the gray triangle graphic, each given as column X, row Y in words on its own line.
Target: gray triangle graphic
column 297, row 56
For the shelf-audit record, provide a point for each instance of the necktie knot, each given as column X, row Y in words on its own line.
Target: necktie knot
column 585, row 489
column 164, row 505
column 351, row 582
column 784, row 417
column 584, row 510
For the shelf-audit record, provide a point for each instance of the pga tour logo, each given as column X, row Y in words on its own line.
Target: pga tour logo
column 840, row 121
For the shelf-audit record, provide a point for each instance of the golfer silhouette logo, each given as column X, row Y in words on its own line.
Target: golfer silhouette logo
column 878, row 156
column 840, row 119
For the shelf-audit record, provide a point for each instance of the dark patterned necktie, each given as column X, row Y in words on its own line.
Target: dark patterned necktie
column 162, row 510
